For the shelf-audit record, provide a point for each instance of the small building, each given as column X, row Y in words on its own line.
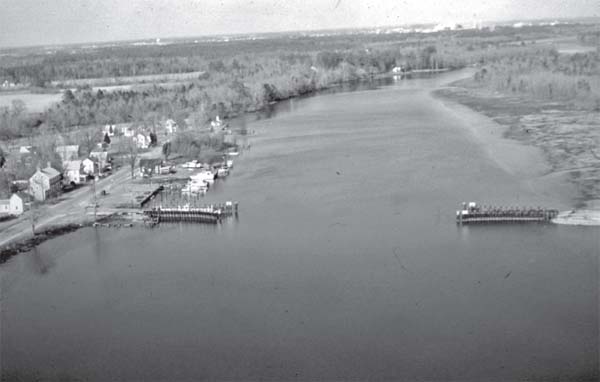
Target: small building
column 149, row 167
column 217, row 124
column 170, row 126
column 100, row 157
column 127, row 131
column 67, row 152
column 12, row 206
column 109, row 129
column 87, row 166
column 25, row 150
column 141, row 141
column 74, row 172
column 45, row 183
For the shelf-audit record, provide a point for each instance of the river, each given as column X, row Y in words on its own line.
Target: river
column 345, row 263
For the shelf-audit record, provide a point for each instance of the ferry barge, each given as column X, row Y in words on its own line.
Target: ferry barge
column 473, row 213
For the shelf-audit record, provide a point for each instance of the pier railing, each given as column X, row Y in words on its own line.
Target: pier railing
column 210, row 213
column 472, row 213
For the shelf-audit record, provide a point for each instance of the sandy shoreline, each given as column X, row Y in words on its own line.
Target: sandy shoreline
column 499, row 129
column 579, row 217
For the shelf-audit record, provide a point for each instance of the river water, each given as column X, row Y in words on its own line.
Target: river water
column 345, row 263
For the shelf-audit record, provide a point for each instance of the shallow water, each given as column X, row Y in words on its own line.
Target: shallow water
column 345, row 263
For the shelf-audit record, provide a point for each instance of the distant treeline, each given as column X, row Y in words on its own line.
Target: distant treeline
column 544, row 74
column 230, row 86
column 40, row 68
column 246, row 75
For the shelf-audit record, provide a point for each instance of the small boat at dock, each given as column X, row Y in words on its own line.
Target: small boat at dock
column 204, row 176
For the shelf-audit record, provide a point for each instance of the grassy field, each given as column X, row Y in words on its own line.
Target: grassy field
column 108, row 82
column 568, row 137
column 35, row 103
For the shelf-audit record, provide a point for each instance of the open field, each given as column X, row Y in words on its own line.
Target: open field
column 114, row 83
column 34, row 102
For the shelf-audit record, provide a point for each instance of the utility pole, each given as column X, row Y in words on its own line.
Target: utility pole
column 94, row 191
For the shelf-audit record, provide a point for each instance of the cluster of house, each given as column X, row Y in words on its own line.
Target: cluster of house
column 8, row 85
column 44, row 183
column 48, row 182
column 142, row 137
column 77, row 171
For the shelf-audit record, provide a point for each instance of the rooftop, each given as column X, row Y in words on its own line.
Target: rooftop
column 50, row 172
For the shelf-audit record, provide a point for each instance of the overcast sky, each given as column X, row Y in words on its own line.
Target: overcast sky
column 42, row 22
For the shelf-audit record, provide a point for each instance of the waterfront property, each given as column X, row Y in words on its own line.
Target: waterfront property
column 87, row 166
column 100, row 157
column 12, row 206
column 74, row 173
column 45, row 183
column 150, row 166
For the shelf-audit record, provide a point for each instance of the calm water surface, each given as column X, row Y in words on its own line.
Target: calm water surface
column 345, row 263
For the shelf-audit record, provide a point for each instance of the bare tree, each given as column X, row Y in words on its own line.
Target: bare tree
column 34, row 211
column 130, row 149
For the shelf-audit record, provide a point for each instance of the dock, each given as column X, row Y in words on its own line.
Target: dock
column 150, row 196
column 473, row 213
column 210, row 213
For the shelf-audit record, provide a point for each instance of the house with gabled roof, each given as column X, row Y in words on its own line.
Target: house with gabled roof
column 45, row 183
column 67, row 152
column 170, row 126
column 74, row 172
column 12, row 206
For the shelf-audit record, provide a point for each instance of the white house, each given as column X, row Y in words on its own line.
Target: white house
column 109, row 129
column 127, row 131
column 170, row 126
column 141, row 141
column 217, row 123
column 87, row 166
column 100, row 157
column 68, row 152
column 11, row 206
column 73, row 172
column 45, row 183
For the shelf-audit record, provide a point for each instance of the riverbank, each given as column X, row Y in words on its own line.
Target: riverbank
column 564, row 137
column 119, row 219
column 28, row 244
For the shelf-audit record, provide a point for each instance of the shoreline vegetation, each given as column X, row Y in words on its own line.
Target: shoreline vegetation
column 549, row 101
column 546, row 99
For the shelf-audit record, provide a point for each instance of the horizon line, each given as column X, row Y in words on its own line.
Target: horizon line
column 342, row 28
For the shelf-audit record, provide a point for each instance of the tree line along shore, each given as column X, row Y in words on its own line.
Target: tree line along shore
column 229, row 78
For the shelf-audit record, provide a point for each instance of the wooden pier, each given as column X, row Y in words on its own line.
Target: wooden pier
column 150, row 196
column 212, row 213
column 473, row 213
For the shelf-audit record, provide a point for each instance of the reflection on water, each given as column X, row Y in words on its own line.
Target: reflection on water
column 39, row 263
column 345, row 263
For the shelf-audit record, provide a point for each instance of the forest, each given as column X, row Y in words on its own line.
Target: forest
column 544, row 74
column 241, row 76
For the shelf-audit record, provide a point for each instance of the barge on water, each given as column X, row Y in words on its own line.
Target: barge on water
column 473, row 213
